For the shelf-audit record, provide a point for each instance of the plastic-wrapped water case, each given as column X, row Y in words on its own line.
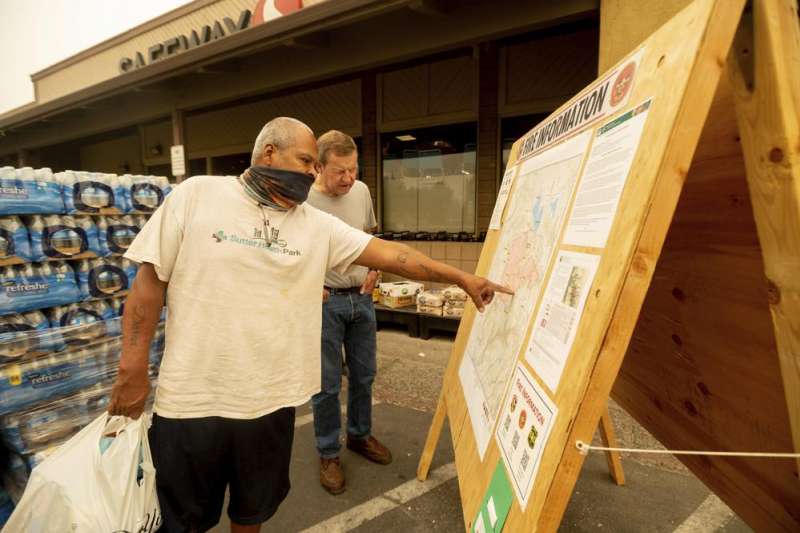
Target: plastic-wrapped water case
column 45, row 398
column 57, row 374
column 99, row 278
column 96, row 317
column 16, row 476
column 14, row 239
column 36, row 286
column 61, row 236
column 16, row 341
column 145, row 193
column 116, row 233
column 26, row 191
column 86, row 361
column 6, row 506
column 89, row 192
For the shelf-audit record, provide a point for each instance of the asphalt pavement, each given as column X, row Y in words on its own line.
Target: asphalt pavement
column 659, row 495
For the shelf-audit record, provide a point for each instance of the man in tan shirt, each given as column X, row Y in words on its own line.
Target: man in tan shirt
column 348, row 318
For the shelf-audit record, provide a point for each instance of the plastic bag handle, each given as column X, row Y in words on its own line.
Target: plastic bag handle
column 123, row 432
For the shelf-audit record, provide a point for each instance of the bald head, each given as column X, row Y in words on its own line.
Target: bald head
column 281, row 133
column 286, row 143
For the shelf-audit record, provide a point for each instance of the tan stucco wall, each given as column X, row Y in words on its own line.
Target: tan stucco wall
column 104, row 65
column 109, row 156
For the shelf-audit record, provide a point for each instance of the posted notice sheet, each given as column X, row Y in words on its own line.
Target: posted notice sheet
column 559, row 315
column 502, row 197
column 522, row 434
column 604, row 178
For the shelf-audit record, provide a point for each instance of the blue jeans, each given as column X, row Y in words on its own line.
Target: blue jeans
column 349, row 320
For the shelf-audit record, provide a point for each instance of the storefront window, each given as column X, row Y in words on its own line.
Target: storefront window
column 429, row 179
column 197, row 167
column 160, row 170
column 230, row 165
column 513, row 128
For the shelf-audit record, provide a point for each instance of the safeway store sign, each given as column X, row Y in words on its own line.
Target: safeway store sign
column 264, row 11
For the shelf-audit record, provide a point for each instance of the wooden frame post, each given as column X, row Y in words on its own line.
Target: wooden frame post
column 767, row 103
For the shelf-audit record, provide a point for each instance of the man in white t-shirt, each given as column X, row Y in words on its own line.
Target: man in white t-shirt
column 348, row 319
column 244, row 259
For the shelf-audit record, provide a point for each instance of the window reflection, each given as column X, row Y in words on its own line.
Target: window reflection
column 429, row 179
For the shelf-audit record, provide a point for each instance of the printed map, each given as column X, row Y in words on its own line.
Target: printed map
column 533, row 221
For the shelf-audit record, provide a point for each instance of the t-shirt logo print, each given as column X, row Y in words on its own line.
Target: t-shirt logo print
column 274, row 243
column 258, row 234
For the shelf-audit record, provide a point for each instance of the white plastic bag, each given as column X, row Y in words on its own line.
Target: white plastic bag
column 80, row 489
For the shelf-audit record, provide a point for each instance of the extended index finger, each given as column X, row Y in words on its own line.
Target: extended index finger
column 501, row 288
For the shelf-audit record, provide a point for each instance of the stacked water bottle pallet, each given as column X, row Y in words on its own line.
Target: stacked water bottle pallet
column 32, row 238
column 62, row 286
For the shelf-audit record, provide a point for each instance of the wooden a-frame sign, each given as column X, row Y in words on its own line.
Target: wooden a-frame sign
column 698, row 281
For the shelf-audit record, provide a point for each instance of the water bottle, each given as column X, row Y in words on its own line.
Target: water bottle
column 62, row 269
column 36, row 319
column 97, row 307
column 26, row 178
column 138, row 221
column 38, row 180
column 7, row 274
column 31, row 271
column 101, row 229
column 58, row 180
column 39, row 322
column 14, row 341
column 12, row 224
column 35, row 224
column 104, row 309
column 120, row 203
column 130, row 268
column 42, row 175
column 165, row 185
column 68, row 180
column 7, row 242
column 116, row 305
column 48, row 269
column 125, row 191
column 78, row 190
column 89, row 227
column 8, row 177
column 22, row 242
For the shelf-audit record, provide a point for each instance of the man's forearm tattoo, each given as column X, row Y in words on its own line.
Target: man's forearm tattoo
column 416, row 270
column 137, row 321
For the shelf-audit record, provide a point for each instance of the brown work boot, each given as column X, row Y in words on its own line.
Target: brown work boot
column 331, row 475
column 371, row 449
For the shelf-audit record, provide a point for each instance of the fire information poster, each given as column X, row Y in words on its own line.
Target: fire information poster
column 524, row 428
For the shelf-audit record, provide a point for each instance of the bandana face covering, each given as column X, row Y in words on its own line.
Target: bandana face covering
column 264, row 184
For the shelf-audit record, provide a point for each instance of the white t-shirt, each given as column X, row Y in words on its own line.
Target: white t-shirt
column 244, row 318
column 355, row 208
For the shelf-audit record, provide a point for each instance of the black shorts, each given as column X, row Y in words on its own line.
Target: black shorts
column 197, row 458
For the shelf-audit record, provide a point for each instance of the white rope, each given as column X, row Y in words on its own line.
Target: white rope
column 584, row 449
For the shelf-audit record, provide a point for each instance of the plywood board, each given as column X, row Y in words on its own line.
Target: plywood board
column 678, row 71
column 713, row 363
